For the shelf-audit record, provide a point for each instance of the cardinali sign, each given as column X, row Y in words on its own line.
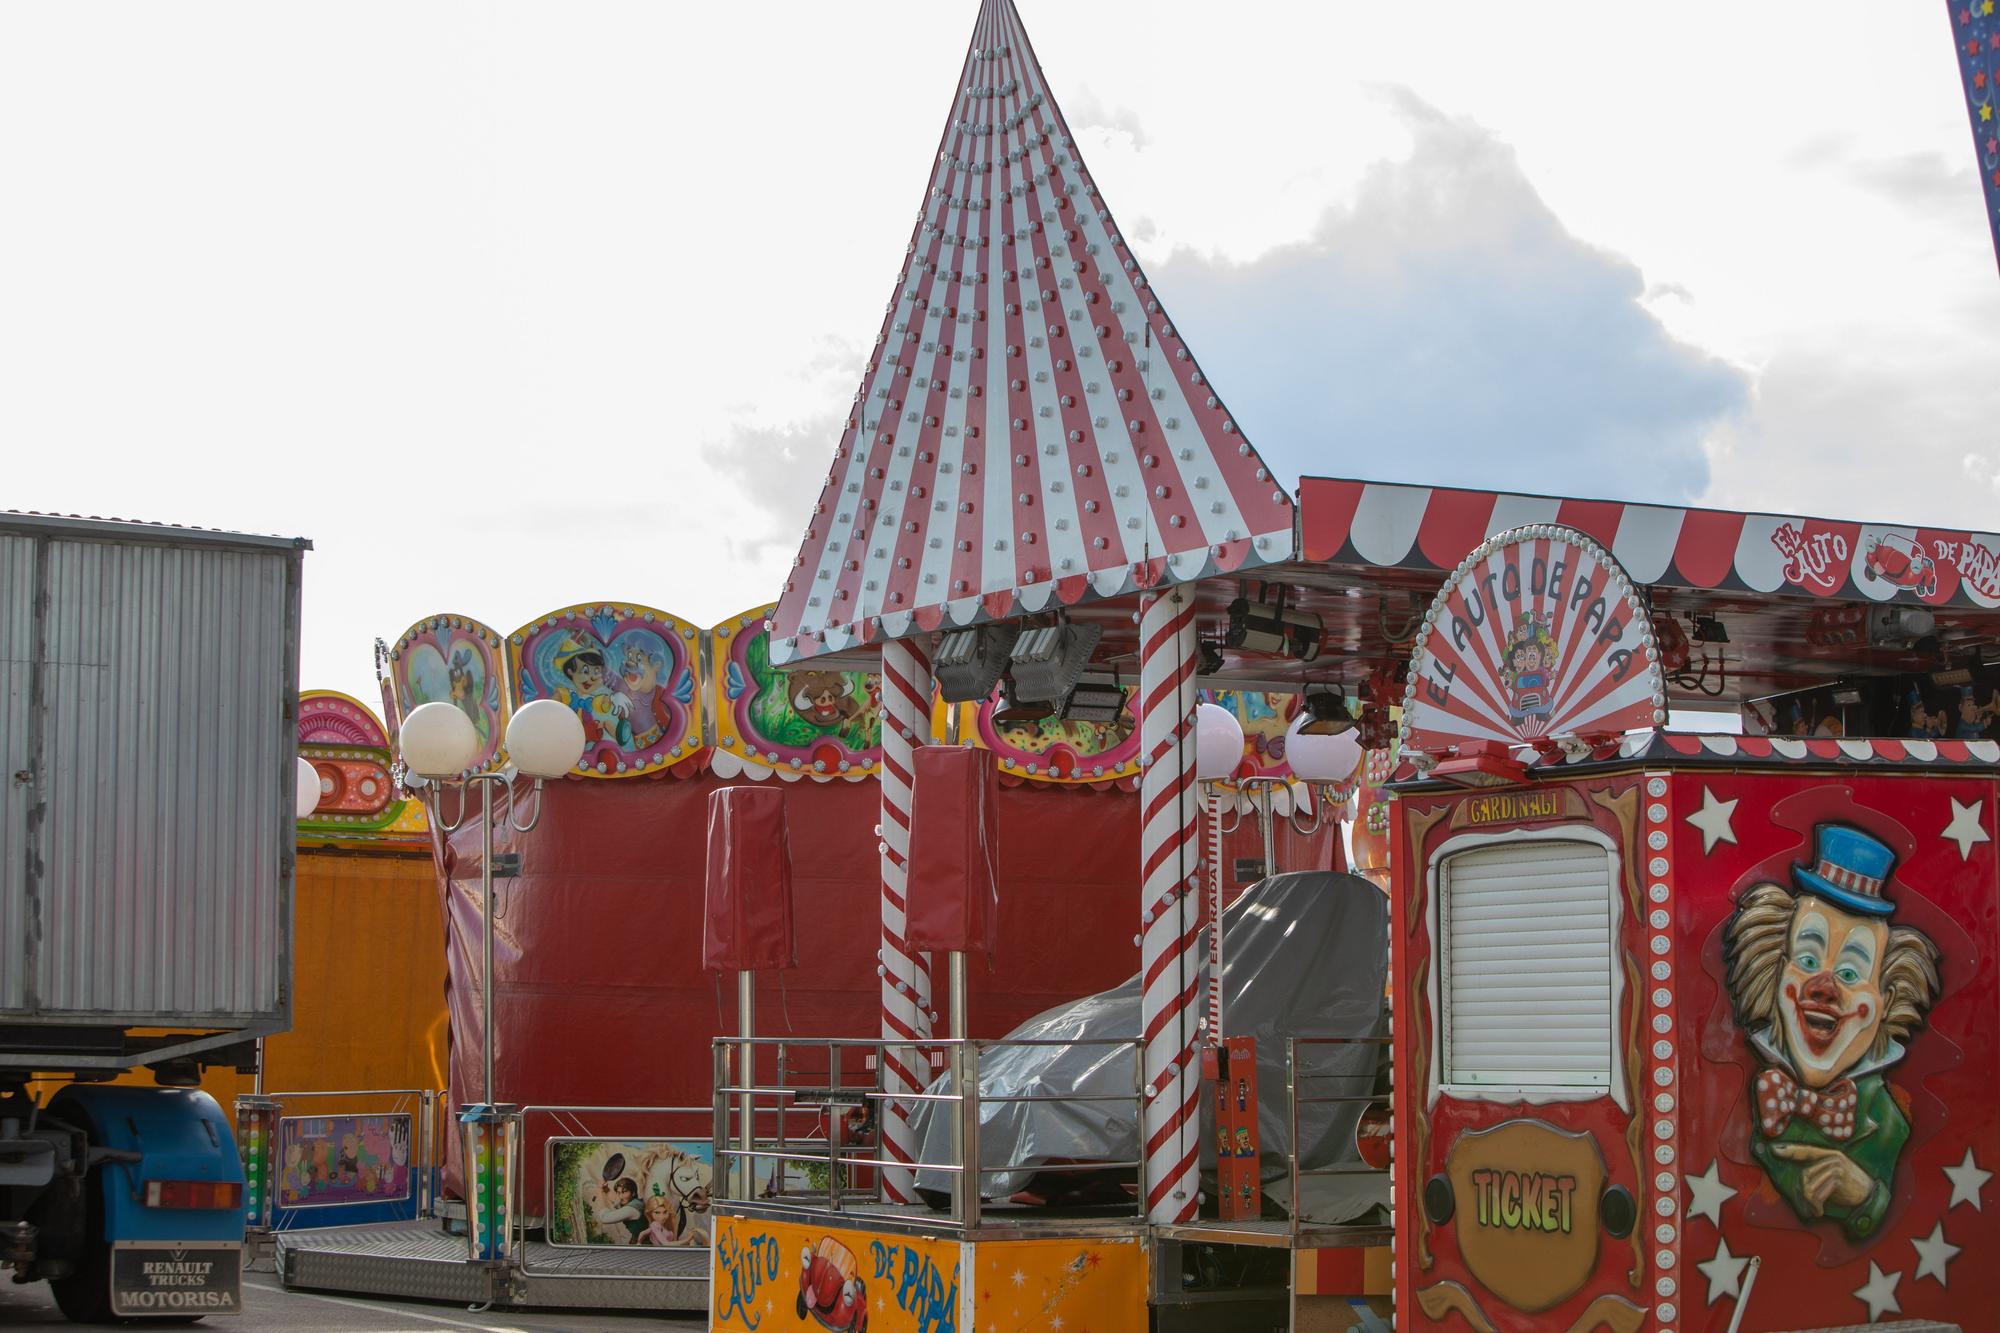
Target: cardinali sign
column 1538, row 634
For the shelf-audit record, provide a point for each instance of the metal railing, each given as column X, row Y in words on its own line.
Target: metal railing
column 844, row 1190
column 425, row 1158
column 1295, row 1075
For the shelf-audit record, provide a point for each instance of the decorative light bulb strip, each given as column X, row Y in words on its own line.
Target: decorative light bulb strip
column 1170, row 939
column 491, row 1141
column 906, row 721
column 257, row 1144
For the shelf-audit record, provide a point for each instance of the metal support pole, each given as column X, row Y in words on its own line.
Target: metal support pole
column 486, row 897
column 746, row 1102
column 1270, row 822
column 964, row 1137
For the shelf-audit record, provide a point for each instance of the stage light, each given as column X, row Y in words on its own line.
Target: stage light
column 969, row 662
column 1324, row 713
column 1048, row 659
column 1271, row 627
column 1707, row 629
column 1095, row 699
column 1011, row 710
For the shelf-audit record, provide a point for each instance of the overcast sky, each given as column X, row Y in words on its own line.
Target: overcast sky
column 514, row 306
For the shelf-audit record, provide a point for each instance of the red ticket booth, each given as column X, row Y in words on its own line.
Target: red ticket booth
column 1684, row 1023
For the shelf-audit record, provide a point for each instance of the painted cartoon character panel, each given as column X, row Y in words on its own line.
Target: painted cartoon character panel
column 1835, row 983
column 330, row 1160
column 1829, row 991
column 828, row 723
column 630, row 1192
column 626, row 671
column 455, row 660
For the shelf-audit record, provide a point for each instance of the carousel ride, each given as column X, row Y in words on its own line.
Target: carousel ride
column 1042, row 538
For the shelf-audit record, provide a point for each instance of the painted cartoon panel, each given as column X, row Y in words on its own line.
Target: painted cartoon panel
column 630, row 1192
column 455, row 660
column 330, row 1160
column 627, row 671
column 1837, row 985
column 823, row 724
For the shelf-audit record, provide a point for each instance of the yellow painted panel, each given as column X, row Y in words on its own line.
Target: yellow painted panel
column 768, row 1273
column 1096, row 1284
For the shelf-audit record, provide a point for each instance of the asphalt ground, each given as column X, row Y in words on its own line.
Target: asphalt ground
column 267, row 1306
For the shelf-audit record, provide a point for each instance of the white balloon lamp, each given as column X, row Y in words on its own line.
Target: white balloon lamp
column 1218, row 742
column 307, row 798
column 438, row 741
column 545, row 739
column 1316, row 758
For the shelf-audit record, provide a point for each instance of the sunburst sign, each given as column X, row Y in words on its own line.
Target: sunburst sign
column 1537, row 636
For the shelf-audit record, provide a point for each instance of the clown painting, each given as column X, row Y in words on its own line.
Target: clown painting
column 1829, row 990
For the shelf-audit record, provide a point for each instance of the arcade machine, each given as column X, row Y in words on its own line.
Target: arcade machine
column 1689, row 1027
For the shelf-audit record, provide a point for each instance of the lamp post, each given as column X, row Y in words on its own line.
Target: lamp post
column 439, row 744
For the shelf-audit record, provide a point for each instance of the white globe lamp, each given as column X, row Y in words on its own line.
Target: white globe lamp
column 1218, row 742
column 307, row 798
column 1317, row 758
column 438, row 741
column 545, row 739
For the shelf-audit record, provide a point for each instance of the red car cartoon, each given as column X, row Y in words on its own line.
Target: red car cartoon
column 831, row 1289
column 1898, row 560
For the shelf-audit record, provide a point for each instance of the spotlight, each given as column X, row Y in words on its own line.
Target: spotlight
column 1707, row 629
column 1271, row 627
column 1326, row 713
column 1095, row 699
column 969, row 661
column 1900, row 626
column 1047, row 660
column 1011, row 710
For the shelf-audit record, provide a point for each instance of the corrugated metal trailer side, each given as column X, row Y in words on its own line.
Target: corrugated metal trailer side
column 148, row 704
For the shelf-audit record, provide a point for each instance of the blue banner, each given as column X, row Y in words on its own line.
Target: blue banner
column 1975, row 29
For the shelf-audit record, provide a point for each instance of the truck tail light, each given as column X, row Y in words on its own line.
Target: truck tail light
column 194, row 1194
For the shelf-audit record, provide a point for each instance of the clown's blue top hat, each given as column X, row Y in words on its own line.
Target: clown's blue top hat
column 1849, row 868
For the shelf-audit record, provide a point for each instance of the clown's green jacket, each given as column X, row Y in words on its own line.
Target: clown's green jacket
column 1880, row 1131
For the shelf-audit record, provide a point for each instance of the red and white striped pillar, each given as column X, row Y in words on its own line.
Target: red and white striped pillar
column 906, row 723
column 1170, row 916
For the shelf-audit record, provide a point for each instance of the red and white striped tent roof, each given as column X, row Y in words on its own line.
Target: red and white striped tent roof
column 1031, row 430
column 1382, row 526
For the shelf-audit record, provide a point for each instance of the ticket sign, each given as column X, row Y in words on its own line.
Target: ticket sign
column 1526, row 1210
column 1538, row 636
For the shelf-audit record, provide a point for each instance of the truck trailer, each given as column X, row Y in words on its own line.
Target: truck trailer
column 148, row 688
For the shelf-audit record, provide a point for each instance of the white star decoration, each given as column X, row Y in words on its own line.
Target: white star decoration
column 1879, row 1293
column 1966, row 1182
column 1709, row 1193
column 1019, row 1277
column 1724, row 1272
column 1966, row 827
column 1933, row 1253
column 1713, row 821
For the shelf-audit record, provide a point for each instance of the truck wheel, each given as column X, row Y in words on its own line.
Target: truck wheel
column 84, row 1296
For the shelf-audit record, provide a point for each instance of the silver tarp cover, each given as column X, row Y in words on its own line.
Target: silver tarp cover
column 1304, row 955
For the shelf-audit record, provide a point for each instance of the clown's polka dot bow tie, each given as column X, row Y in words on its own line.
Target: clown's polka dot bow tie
column 1780, row 1100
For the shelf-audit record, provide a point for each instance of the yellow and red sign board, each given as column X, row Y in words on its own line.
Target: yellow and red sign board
column 769, row 1274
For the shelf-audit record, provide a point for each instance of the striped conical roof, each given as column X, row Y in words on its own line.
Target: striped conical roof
column 1031, row 429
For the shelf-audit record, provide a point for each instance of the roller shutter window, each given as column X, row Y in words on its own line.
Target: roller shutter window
column 1527, row 966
